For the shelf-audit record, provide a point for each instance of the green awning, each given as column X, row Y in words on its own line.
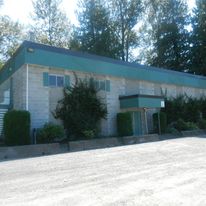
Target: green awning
column 141, row 101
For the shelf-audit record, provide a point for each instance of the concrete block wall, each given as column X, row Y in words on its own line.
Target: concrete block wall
column 55, row 94
column 147, row 88
column 19, row 88
column 38, row 97
column 113, row 105
column 43, row 100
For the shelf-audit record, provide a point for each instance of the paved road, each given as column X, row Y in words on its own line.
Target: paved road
column 166, row 173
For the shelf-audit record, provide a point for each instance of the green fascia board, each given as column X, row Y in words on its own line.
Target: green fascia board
column 58, row 58
column 129, row 103
column 140, row 102
column 13, row 64
column 149, row 102
column 75, row 63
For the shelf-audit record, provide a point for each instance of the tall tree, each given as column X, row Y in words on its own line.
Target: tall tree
column 166, row 31
column 125, row 14
column 198, row 50
column 11, row 35
column 95, row 31
column 51, row 25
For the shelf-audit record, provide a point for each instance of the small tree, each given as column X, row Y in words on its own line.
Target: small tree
column 80, row 109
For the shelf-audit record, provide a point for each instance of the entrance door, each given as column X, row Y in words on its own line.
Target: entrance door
column 137, row 123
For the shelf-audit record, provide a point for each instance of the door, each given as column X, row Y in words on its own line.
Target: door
column 137, row 123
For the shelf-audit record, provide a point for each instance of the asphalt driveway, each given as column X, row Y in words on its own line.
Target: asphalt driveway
column 165, row 173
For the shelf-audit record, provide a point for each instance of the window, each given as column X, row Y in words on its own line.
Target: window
column 103, row 85
column 56, row 81
column 60, row 81
column 52, row 80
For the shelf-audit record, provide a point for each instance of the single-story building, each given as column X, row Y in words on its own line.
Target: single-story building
column 33, row 80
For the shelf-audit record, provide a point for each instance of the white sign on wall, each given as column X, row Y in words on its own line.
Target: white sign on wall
column 162, row 104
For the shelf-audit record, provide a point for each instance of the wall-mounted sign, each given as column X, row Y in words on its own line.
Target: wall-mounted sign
column 162, row 104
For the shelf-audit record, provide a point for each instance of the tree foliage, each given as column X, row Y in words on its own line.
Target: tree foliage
column 166, row 23
column 198, row 39
column 51, row 25
column 125, row 15
column 107, row 27
column 184, row 107
column 95, row 31
column 80, row 109
column 11, row 35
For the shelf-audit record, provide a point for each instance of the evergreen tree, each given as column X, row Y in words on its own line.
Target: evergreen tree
column 95, row 32
column 125, row 15
column 198, row 51
column 51, row 25
column 167, row 34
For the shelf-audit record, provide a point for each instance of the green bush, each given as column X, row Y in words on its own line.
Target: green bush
column 202, row 124
column 183, row 107
column 49, row 133
column 124, row 124
column 89, row 134
column 181, row 125
column 81, row 110
column 172, row 130
column 191, row 126
column 163, row 122
column 16, row 127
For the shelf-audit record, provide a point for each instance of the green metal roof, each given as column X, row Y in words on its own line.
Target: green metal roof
column 39, row 54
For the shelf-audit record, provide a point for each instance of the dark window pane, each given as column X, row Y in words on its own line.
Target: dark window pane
column 60, row 81
column 52, row 80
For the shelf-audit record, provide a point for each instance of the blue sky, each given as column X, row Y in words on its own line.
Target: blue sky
column 20, row 10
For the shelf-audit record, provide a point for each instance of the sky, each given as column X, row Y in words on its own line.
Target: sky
column 20, row 10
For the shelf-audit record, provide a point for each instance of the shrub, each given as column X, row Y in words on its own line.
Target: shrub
column 124, row 124
column 202, row 124
column 181, row 125
column 49, row 133
column 191, row 126
column 184, row 107
column 172, row 130
column 89, row 134
column 81, row 109
column 17, row 127
column 163, row 122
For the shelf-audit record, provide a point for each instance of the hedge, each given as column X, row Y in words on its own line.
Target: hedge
column 124, row 124
column 16, row 127
column 163, row 122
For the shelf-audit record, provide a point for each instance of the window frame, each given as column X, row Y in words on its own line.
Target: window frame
column 56, row 83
